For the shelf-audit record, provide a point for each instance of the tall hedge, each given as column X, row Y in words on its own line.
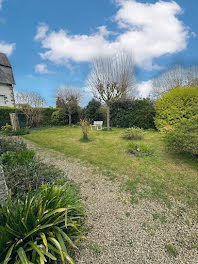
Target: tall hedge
column 94, row 111
column 131, row 113
column 5, row 117
column 5, row 114
column 184, row 137
column 46, row 116
column 176, row 105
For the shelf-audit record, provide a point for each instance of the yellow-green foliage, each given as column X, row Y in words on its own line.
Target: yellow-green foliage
column 184, row 138
column 176, row 105
column 85, row 128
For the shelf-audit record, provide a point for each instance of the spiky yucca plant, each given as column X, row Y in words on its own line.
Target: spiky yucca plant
column 42, row 228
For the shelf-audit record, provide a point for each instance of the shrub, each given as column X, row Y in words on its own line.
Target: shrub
column 139, row 149
column 7, row 128
column 133, row 133
column 23, row 168
column 94, row 112
column 129, row 113
column 25, row 156
column 9, row 131
column 5, row 114
column 85, row 128
column 184, row 138
column 176, row 105
column 58, row 118
column 46, row 116
column 42, row 228
column 11, row 144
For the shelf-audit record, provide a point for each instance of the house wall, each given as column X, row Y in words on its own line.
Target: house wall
column 6, row 95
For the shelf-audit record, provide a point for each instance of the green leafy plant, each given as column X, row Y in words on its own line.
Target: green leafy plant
column 184, row 137
column 139, row 149
column 23, row 168
column 7, row 128
column 42, row 228
column 25, row 156
column 176, row 105
column 11, row 144
column 9, row 131
column 133, row 133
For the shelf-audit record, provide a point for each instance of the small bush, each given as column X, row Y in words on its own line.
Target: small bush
column 85, row 128
column 25, row 156
column 184, row 137
column 23, row 168
column 11, row 144
column 176, row 105
column 133, row 133
column 139, row 149
column 42, row 228
column 9, row 131
column 7, row 128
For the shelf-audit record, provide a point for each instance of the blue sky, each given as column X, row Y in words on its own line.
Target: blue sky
column 51, row 43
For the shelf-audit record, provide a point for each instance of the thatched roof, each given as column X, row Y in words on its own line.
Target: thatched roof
column 6, row 74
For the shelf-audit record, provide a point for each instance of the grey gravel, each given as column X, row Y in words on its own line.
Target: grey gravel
column 121, row 232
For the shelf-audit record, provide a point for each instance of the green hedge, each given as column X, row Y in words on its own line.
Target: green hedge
column 5, row 117
column 46, row 116
column 129, row 113
column 4, row 114
column 184, row 137
column 176, row 105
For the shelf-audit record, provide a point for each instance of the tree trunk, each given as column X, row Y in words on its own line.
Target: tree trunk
column 69, row 118
column 3, row 187
column 108, row 117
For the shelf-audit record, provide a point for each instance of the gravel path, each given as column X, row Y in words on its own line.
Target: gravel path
column 121, row 232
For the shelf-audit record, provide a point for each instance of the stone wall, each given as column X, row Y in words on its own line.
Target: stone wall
column 6, row 95
column 3, row 187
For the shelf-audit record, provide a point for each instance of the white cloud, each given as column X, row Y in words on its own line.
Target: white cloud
column 7, row 48
column 41, row 68
column 42, row 30
column 144, row 88
column 148, row 31
column 1, row 1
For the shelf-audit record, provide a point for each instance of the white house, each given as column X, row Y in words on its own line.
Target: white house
column 7, row 82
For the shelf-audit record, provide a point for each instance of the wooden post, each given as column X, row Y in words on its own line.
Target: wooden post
column 14, row 121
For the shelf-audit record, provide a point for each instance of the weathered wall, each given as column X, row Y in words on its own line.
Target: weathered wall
column 6, row 95
column 3, row 187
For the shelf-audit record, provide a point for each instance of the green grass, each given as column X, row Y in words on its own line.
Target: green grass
column 172, row 252
column 161, row 176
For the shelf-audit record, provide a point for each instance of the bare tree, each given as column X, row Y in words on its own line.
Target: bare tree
column 68, row 97
column 112, row 78
column 178, row 76
column 31, row 104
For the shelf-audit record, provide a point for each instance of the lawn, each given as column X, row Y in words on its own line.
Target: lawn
column 162, row 176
